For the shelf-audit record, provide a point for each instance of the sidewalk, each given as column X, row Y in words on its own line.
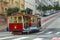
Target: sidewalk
column 45, row 20
column 2, row 28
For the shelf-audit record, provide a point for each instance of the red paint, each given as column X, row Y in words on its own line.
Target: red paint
column 19, row 26
column 30, row 24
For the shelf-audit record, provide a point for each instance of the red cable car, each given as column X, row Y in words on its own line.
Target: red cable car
column 19, row 23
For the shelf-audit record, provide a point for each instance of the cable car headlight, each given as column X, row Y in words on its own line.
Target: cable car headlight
column 15, row 27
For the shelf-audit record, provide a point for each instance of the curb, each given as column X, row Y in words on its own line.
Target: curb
column 49, row 18
column 49, row 21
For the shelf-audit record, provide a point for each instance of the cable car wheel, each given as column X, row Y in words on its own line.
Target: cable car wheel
column 16, row 33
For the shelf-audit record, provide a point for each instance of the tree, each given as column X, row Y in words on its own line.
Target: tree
column 49, row 7
column 16, row 9
column 44, row 8
column 23, row 11
column 57, row 7
column 12, row 10
column 27, row 10
column 39, row 7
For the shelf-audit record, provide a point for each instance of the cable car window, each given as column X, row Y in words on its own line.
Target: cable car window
column 33, row 19
column 19, row 19
column 15, row 19
column 26, row 21
column 25, row 18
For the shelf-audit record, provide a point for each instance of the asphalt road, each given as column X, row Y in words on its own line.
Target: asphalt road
column 53, row 30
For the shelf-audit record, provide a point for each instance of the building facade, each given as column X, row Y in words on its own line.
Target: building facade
column 3, row 6
column 22, row 4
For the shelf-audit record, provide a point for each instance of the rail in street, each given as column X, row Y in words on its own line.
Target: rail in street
column 53, row 30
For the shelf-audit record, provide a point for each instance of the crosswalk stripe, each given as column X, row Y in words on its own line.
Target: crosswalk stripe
column 40, row 32
column 58, row 33
column 6, row 37
column 49, row 32
column 21, row 38
column 38, row 39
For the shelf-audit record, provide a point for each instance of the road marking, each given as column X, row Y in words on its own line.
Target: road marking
column 21, row 38
column 38, row 39
column 49, row 32
column 40, row 32
column 58, row 33
column 6, row 37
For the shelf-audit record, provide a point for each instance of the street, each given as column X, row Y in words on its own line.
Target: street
column 53, row 30
column 39, row 19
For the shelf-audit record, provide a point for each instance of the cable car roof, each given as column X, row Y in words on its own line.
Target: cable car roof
column 21, row 14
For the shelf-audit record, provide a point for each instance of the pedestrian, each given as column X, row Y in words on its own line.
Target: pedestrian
column 26, row 25
column 39, row 23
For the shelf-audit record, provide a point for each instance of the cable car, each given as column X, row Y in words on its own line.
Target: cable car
column 20, row 23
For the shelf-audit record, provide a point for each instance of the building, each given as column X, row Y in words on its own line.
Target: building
column 47, row 2
column 59, row 2
column 16, row 3
column 32, row 4
column 22, row 4
column 3, row 6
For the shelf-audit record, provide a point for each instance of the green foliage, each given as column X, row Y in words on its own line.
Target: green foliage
column 49, row 7
column 23, row 10
column 44, row 8
column 16, row 9
column 27, row 10
column 39, row 7
column 12, row 10
column 57, row 7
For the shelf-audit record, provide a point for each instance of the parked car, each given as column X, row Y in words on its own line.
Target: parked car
column 47, row 13
column 52, row 12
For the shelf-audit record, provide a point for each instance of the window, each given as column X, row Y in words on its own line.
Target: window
column 15, row 19
column 5, row 9
column 19, row 19
column 29, row 11
column 12, row 1
column 36, row 1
